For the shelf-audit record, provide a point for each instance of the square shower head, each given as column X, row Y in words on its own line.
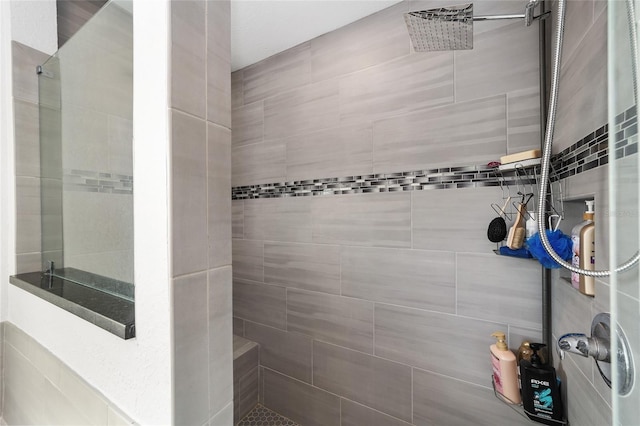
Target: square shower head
column 443, row 28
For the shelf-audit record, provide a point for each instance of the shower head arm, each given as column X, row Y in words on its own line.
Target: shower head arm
column 515, row 16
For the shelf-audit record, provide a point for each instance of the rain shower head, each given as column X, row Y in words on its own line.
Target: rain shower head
column 451, row 28
column 444, row 28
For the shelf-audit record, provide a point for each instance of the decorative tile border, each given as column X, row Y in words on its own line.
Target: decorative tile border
column 589, row 152
column 90, row 181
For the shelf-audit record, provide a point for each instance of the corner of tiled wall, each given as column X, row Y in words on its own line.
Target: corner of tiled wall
column 201, row 211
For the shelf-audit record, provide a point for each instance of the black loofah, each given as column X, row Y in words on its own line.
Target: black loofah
column 497, row 230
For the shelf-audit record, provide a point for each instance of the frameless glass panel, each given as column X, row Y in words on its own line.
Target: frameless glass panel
column 86, row 105
column 624, row 220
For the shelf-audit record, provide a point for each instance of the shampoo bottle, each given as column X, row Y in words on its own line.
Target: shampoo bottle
column 540, row 391
column 505, row 375
column 583, row 242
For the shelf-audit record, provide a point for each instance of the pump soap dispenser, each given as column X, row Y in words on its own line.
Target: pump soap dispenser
column 540, row 390
column 505, row 374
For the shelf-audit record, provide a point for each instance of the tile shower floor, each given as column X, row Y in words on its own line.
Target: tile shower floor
column 262, row 416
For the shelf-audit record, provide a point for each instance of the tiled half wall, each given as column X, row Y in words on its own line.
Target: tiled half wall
column 40, row 389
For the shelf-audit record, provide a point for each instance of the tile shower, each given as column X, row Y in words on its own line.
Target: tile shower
column 373, row 304
column 361, row 199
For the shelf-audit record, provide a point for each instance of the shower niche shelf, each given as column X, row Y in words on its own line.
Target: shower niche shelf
column 518, row 408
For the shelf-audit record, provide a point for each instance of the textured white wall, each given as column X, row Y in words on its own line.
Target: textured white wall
column 34, row 23
column 134, row 374
column 7, row 180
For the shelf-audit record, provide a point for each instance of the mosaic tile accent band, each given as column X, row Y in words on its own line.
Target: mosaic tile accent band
column 90, row 181
column 589, row 152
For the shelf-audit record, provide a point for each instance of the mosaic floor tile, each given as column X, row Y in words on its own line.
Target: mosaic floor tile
column 262, row 416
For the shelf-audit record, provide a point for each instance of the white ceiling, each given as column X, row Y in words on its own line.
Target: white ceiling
column 262, row 28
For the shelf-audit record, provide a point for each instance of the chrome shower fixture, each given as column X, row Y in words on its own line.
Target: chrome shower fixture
column 451, row 28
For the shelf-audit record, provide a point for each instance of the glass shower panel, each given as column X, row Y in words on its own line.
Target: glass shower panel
column 624, row 220
column 86, row 111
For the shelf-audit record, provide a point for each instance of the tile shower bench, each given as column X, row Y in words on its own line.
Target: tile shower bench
column 246, row 357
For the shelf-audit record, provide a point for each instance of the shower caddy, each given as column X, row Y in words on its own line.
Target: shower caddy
column 519, row 182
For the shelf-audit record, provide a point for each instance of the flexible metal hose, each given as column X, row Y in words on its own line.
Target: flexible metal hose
column 548, row 141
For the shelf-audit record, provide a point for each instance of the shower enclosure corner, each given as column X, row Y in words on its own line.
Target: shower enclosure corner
column 86, row 157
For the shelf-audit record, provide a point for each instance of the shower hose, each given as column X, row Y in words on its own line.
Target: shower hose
column 548, row 138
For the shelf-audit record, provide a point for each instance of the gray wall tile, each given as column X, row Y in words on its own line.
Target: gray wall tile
column 367, row 220
column 248, row 259
column 523, row 124
column 190, row 349
column 378, row 38
column 120, row 140
column 258, row 163
column 306, row 266
column 28, row 216
column 438, row 136
column 341, row 151
column 287, row 353
column 281, row 219
column 27, row 138
column 576, row 11
column 354, row 414
column 519, row 334
column 499, row 288
column 236, row 89
column 219, row 195
column 220, row 294
column 237, row 219
column 224, row 417
column 584, row 78
column 25, row 80
column 218, row 62
column 408, row 84
column 299, row 401
column 247, row 392
column 82, row 396
column 238, row 326
column 248, row 124
column 72, row 15
column 452, row 221
column 421, row 279
column 438, row 400
column 584, row 405
column 409, row 335
column 378, row 383
column 340, row 320
column 246, row 356
column 571, row 313
column 28, row 262
column 628, row 320
column 189, row 194
column 188, row 57
column 279, row 72
column 261, row 303
column 493, row 66
column 301, row 110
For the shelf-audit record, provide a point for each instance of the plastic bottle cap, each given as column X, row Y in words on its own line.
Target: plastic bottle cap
column 501, row 344
column 590, row 205
column 536, row 361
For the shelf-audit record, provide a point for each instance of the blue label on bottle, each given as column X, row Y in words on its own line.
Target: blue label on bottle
column 542, row 399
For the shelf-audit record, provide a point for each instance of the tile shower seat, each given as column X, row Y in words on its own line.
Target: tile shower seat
column 246, row 356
